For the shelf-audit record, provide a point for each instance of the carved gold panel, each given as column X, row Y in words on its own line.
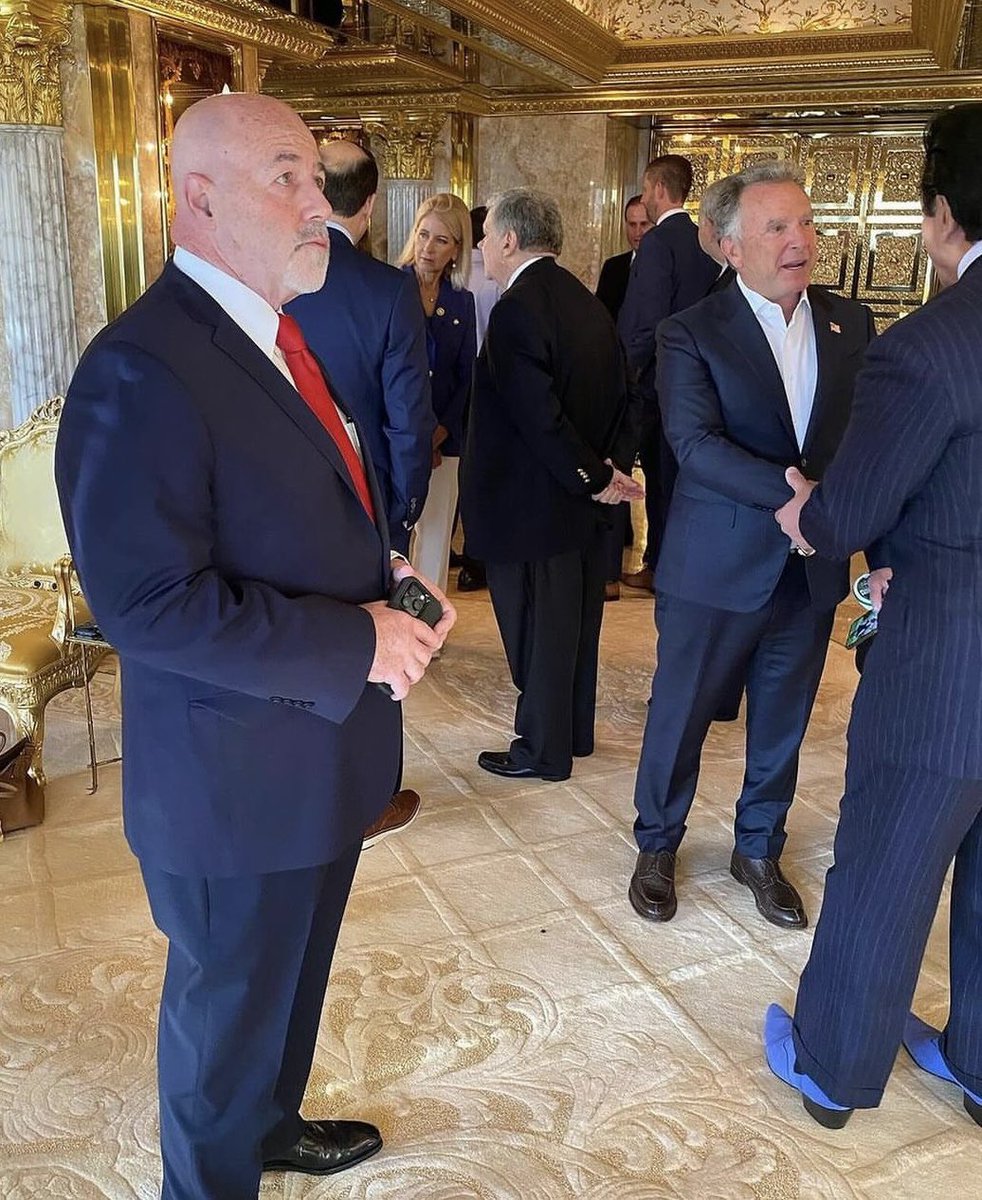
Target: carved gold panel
column 864, row 187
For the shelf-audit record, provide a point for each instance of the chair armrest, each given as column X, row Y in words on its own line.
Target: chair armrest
column 64, row 570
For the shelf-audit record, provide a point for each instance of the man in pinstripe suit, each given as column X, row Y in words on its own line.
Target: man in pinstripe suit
column 907, row 480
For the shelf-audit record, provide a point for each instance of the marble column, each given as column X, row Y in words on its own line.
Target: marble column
column 404, row 145
column 39, row 346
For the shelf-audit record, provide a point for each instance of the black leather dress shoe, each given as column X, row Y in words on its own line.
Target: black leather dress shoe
column 469, row 579
column 777, row 900
column 328, row 1146
column 499, row 762
column 652, row 890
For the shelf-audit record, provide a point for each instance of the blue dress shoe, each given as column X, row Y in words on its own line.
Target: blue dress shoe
column 923, row 1043
column 779, row 1048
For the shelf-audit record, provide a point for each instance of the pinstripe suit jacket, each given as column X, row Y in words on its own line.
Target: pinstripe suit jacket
column 909, row 472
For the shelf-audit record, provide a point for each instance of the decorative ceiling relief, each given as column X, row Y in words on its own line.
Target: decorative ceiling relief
column 649, row 20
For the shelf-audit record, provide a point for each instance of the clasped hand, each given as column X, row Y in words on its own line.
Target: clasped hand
column 788, row 515
column 621, row 488
column 404, row 645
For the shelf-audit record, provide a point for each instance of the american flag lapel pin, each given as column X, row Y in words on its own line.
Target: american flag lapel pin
column 835, row 328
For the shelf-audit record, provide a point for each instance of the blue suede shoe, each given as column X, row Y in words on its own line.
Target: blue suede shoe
column 779, row 1048
column 923, row 1043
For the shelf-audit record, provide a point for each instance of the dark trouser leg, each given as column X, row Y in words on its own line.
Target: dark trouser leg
column 614, row 542
column 782, row 680
column 899, row 828
column 700, row 652
column 962, row 1041
column 539, row 609
column 588, row 646
column 241, row 977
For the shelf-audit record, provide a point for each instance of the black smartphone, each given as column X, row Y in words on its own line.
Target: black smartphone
column 412, row 597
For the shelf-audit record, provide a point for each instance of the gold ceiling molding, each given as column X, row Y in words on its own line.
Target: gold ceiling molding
column 793, row 46
column 937, row 23
column 351, row 67
column 246, row 21
column 382, row 104
column 633, row 21
column 404, row 144
column 552, row 27
column 33, row 37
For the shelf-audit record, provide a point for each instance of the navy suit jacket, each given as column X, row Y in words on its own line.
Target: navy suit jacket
column 727, row 419
column 612, row 284
column 366, row 326
column 670, row 273
column 451, row 343
column 225, row 552
column 908, row 476
column 550, row 404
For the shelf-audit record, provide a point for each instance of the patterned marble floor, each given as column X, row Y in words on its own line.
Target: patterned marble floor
column 496, row 1006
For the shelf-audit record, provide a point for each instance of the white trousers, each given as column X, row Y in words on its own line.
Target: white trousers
column 430, row 551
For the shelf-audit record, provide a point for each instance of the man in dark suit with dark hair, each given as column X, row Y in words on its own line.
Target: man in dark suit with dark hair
column 907, row 479
column 755, row 378
column 366, row 326
column 231, row 540
column 615, row 272
column 670, row 273
column 548, row 421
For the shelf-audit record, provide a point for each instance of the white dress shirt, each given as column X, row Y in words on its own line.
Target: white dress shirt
column 793, row 345
column 341, row 229
column 969, row 257
column 257, row 319
column 671, row 213
column 518, row 270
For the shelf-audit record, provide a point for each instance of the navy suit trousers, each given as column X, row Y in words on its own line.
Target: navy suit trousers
column 704, row 654
column 899, row 829
column 247, row 968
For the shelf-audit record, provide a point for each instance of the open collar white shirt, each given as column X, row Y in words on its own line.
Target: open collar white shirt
column 793, row 345
column 524, row 267
column 970, row 256
column 671, row 213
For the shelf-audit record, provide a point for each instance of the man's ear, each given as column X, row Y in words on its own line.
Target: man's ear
column 949, row 227
column 197, row 194
column 731, row 252
column 509, row 243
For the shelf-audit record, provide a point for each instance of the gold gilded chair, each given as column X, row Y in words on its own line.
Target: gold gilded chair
column 39, row 600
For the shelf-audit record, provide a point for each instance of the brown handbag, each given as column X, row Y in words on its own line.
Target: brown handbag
column 21, row 799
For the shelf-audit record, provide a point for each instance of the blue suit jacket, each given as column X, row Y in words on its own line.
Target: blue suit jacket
column 909, row 476
column 366, row 326
column 451, row 343
column 670, row 273
column 727, row 419
column 225, row 552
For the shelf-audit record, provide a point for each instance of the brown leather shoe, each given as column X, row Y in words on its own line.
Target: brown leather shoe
column 400, row 810
column 652, row 890
column 639, row 579
column 612, row 590
column 328, row 1146
column 777, row 900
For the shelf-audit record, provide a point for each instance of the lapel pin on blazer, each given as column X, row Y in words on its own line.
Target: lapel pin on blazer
column 835, row 328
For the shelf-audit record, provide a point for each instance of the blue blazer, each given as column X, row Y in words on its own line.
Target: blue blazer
column 366, row 326
column 670, row 273
column 726, row 417
column 225, row 552
column 451, row 343
column 908, row 477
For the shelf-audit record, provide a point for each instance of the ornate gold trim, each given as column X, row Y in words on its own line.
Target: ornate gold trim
column 404, row 144
column 355, row 66
column 937, row 23
column 793, row 46
column 34, row 35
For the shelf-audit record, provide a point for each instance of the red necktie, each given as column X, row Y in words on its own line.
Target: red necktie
column 312, row 386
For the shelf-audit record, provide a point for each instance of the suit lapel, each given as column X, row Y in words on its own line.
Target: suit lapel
column 743, row 330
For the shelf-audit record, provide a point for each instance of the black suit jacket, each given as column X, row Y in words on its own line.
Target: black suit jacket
column 366, row 326
column 670, row 273
column 908, row 476
column 612, row 284
column 550, row 403
column 723, row 280
column 225, row 553
column 727, row 419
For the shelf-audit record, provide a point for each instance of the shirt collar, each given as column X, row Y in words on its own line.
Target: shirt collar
column 970, row 256
column 341, row 229
column 671, row 213
column 760, row 304
column 246, row 308
column 518, row 270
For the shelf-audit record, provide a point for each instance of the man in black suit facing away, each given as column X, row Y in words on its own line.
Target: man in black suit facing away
column 615, row 272
column 754, row 379
column 907, row 479
column 670, row 273
column 548, row 421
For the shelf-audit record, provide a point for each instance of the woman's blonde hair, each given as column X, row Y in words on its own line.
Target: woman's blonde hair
column 452, row 211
